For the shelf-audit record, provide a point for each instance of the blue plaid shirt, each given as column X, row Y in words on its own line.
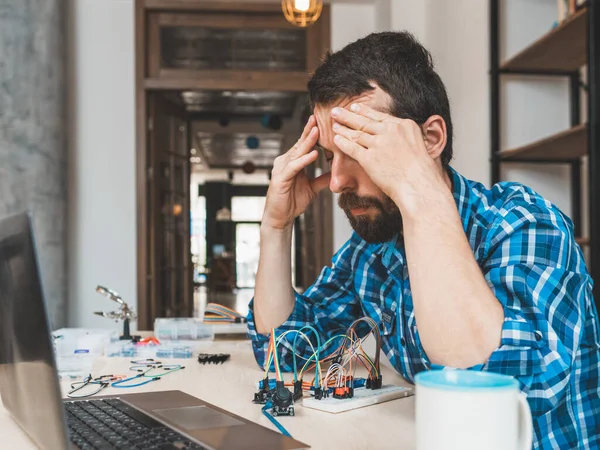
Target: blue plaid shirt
column 527, row 253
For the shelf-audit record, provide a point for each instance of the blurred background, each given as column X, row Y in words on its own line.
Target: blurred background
column 141, row 134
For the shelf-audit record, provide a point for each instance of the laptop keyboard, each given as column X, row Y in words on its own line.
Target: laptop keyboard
column 112, row 424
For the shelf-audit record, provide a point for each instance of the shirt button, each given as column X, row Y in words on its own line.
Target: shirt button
column 402, row 342
column 538, row 336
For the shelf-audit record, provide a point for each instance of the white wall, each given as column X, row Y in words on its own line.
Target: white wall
column 457, row 38
column 349, row 22
column 410, row 16
column 531, row 108
column 102, row 208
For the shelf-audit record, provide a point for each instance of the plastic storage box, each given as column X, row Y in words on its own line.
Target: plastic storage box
column 76, row 348
column 169, row 349
column 182, row 328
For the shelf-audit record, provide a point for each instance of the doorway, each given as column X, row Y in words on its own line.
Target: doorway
column 218, row 98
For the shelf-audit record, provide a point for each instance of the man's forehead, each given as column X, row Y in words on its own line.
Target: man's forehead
column 376, row 99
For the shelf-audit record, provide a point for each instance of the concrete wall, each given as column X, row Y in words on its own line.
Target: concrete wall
column 33, row 156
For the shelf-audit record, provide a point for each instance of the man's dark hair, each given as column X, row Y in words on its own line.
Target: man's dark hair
column 399, row 65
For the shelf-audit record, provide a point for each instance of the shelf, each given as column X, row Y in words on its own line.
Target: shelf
column 564, row 146
column 562, row 49
column 185, row 79
column 582, row 241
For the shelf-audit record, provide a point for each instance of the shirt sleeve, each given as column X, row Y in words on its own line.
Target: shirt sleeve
column 538, row 274
column 329, row 305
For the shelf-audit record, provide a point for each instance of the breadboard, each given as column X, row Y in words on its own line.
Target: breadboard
column 362, row 397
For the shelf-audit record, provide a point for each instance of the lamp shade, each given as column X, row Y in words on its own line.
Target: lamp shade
column 302, row 13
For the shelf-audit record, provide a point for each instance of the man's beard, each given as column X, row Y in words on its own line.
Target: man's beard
column 375, row 230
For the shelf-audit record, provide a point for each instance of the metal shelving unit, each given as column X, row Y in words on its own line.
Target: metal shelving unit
column 561, row 52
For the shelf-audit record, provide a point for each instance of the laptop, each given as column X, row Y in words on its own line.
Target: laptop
column 30, row 389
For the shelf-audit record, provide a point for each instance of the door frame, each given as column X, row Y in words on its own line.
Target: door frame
column 321, row 39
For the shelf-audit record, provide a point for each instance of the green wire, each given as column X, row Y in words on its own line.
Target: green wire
column 322, row 348
column 315, row 353
column 317, row 370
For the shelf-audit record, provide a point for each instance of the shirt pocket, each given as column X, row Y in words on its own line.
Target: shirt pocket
column 389, row 298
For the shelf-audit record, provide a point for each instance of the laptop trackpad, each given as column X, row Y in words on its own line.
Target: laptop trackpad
column 197, row 417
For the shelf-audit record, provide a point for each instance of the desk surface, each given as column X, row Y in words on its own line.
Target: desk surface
column 231, row 387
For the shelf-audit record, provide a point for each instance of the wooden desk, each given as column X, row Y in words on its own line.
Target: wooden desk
column 231, row 386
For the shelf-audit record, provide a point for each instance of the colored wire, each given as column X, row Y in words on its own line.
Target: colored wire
column 269, row 358
column 217, row 308
column 165, row 369
column 345, row 357
column 374, row 329
column 73, row 392
column 315, row 353
column 145, row 362
column 269, row 405
column 218, row 313
column 280, row 339
column 277, row 368
column 123, row 383
column 308, row 360
column 78, row 387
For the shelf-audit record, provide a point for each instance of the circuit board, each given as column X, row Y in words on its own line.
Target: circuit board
column 362, row 397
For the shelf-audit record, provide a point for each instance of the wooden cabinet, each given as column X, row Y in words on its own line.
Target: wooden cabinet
column 208, row 48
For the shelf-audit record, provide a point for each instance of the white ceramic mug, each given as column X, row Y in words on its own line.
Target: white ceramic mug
column 471, row 410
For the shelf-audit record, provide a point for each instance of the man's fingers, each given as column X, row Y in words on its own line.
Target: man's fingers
column 309, row 124
column 350, row 148
column 356, row 121
column 294, row 166
column 360, row 137
column 321, row 182
column 365, row 111
column 303, row 146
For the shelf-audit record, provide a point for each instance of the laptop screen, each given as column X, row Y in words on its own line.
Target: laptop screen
column 28, row 380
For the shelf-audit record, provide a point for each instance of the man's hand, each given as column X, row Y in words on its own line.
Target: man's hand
column 391, row 150
column 460, row 320
column 291, row 191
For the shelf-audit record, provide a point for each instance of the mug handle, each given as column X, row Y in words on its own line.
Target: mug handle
column 525, row 424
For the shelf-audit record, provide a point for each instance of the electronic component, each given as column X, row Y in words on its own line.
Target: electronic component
column 318, row 393
column 282, row 400
column 210, row 358
column 334, row 382
column 264, row 394
column 298, row 393
column 362, row 398
column 270, row 384
column 261, row 397
column 343, row 392
column 374, row 383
